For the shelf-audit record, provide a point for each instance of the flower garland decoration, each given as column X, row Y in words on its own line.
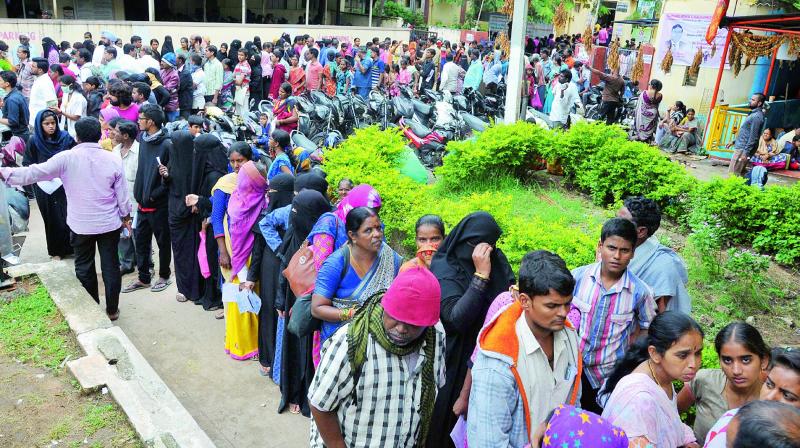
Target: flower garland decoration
column 613, row 55
column 560, row 18
column 638, row 68
column 694, row 69
column 587, row 38
column 666, row 63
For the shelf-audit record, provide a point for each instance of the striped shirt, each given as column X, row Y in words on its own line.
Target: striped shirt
column 608, row 318
column 389, row 393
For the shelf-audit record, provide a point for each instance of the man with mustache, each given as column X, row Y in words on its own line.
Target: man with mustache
column 528, row 361
column 382, row 370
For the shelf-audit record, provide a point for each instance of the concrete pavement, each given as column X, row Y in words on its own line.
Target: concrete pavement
column 230, row 401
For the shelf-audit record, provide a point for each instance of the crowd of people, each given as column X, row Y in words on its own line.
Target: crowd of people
column 377, row 350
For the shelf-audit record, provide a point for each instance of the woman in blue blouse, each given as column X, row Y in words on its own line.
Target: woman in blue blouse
column 238, row 154
column 280, row 149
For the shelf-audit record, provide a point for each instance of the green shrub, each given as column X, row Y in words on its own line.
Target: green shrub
column 499, row 151
column 393, row 9
column 575, row 147
column 779, row 215
column 728, row 203
column 372, row 156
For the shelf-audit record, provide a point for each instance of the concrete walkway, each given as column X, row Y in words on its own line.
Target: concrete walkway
column 184, row 344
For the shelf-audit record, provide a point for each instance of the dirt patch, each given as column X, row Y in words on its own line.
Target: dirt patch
column 40, row 403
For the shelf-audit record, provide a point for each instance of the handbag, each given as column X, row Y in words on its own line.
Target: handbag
column 301, row 322
column 536, row 101
column 300, row 272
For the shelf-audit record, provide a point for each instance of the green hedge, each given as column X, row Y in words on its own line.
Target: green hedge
column 603, row 163
column 484, row 172
column 371, row 156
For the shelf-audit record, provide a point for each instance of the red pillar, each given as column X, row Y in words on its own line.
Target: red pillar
column 649, row 53
column 719, row 77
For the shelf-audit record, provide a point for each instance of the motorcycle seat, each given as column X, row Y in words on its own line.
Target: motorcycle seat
column 424, row 109
column 419, row 129
column 304, row 142
column 475, row 123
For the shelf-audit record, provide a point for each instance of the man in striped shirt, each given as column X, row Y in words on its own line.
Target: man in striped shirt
column 615, row 307
column 377, row 382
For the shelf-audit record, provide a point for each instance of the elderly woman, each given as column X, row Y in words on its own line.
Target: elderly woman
column 769, row 153
column 682, row 136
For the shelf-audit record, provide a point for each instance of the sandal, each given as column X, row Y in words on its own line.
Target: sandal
column 161, row 285
column 134, row 286
column 264, row 371
column 180, row 297
column 220, row 314
column 294, row 408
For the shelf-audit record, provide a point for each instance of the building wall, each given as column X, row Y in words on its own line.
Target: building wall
column 733, row 90
column 441, row 11
column 72, row 30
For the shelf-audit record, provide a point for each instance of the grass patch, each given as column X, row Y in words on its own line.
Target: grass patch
column 32, row 330
column 99, row 416
column 61, row 430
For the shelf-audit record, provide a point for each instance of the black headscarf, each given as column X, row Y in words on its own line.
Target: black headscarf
column 47, row 45
column 452, row 263
column 233, row 50
column 257, row 43
column 209, row 164
column 311, row 181
column 166, row 47
column 281, row 191
column 307, row 207
column 180, row 173
column 48, row 147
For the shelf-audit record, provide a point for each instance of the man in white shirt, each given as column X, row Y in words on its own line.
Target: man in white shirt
column 106, row 39
column 146, row 60
column 124, row 135
column 451, row 72
column 85, row 66
column 43, row 94
column 565, row 96
column 309, row 44
column 127, row 60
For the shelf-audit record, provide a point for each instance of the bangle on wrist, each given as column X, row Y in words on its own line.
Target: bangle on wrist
column 481, row 276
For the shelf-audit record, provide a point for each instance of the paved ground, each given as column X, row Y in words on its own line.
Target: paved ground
column 184, row 344
column 707, row 169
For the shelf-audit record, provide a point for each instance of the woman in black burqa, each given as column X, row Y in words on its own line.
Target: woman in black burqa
column 297, row 366
column 264, row 270
column 466, row 297
column 209, row 164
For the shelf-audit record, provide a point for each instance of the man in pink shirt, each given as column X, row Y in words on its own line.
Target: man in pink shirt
column 313, row 70
column 97, row 206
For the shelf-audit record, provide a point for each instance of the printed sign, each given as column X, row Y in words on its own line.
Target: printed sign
column 685, row 33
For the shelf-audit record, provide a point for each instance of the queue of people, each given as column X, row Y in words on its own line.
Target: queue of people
column 447, row 347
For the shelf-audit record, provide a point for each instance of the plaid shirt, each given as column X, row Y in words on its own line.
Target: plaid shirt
column 388, row 393
column 608, row 318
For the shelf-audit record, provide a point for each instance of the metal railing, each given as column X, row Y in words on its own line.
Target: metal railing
column 725, row 124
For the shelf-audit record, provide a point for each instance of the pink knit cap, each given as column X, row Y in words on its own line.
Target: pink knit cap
column 414, row 298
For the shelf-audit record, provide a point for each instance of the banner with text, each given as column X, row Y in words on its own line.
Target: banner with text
column 685, row 33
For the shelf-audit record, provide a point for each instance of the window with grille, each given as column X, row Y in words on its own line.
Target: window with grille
column 355, row 6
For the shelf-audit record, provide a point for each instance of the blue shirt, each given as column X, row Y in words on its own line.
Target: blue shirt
column 363, row 79
column 15, row 109
column 280, row 161
column 377, row 69
column 219, row 206
column 278, row 218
